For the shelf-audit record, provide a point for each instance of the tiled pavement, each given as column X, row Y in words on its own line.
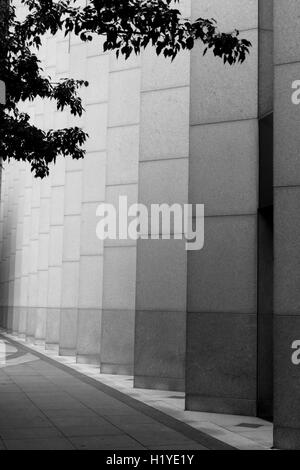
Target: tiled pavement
column 45, row 406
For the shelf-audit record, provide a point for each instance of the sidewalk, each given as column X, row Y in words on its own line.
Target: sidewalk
column 53, row 403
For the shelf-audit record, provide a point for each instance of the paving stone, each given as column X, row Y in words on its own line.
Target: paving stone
column 57, row 443
column 106, row 443
column 29, row 433
column 48, row 408
column 104, row 429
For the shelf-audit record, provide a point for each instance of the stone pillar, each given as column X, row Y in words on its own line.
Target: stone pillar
column 55, row 255
column 11, row 246
column 71, row 258
column 72, row 223
column 4, row 250
column 117, row 340
column 20, row 186
column 161, row 264
column 221, row 365
column 46, row 122
column 31, row 241
column 14, row 287
column 93, row 192
column 33, row 261
column 56, row 229
column 265, row 307
column 286, row 224
column 2, row 208
column 24, row 287
column 43, row 262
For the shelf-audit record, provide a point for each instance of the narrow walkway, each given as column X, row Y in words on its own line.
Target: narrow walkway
column 45, row 406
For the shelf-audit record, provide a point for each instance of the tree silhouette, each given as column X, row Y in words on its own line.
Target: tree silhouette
column 128, row 26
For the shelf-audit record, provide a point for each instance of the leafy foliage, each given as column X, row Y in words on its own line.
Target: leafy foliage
column 128, row 26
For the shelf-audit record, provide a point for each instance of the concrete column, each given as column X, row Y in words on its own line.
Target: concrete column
column 71, row 259
column 11, row 255
column 286, row 225
column 12, row 251
column 221, row 366
column 117, row 336
column 93, row 192
column 72, row 223
column 56, row 227
column 24, row 287
column 4, row 252
column 14, row 287
column 7, row 249
column 2, row 192
column 31, row 238
column 45, row 121
column 43, row 262
column 33, row 261
column 19, row 251
column 55, row 255
column 265, row 306
column 71, row 262
column 159, row 356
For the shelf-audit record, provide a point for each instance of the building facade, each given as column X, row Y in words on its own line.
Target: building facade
column 219, row 323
